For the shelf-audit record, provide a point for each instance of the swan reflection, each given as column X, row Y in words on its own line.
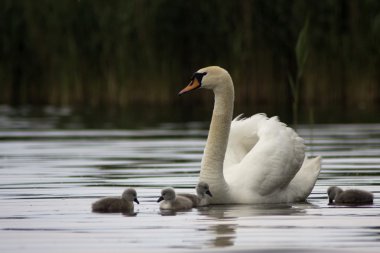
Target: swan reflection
column 224, row 220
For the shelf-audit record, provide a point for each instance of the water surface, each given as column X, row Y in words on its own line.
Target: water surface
column 51, row 175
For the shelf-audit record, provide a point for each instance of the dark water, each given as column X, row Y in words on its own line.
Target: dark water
column 50, row 175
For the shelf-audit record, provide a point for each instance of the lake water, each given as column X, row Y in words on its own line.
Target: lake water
column 51, row 174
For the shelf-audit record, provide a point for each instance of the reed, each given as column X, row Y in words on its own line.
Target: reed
column 302, row 54
column 117, row 53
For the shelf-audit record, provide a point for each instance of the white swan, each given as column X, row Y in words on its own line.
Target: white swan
column 253, row 160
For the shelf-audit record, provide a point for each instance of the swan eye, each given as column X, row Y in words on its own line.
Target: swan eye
column 199, row 76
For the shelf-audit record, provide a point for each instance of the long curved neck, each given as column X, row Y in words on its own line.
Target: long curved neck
column 214, row 153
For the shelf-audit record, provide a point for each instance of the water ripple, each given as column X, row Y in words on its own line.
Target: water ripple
column 49, row 178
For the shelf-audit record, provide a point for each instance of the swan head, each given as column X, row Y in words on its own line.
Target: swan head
column 167, row 194
column 130, row 195
column 202, row 189
column 332, row 192
column 212, row 78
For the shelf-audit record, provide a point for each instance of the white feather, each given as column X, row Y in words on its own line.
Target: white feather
column 269, row 155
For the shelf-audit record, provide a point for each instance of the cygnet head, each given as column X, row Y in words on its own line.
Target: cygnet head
column 167, row 194
column 212, row 78
column 332, row 192
column 202, row 189
column 130, row 195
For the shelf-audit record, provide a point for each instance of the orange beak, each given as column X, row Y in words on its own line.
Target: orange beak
column 194, row 84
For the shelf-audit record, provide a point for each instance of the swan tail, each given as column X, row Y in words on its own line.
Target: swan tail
column 303, row 183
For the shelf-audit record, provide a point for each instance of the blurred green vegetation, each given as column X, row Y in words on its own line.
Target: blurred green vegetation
column 122, row 52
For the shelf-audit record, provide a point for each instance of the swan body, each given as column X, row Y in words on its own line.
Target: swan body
column 203, row 195
column 170, row 201
column 251, row 160
column 349, row 197
column 116, row 204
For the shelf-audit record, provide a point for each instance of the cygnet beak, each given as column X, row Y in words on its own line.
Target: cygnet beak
column 136, row 200
column 208, row 193
column 160, row 199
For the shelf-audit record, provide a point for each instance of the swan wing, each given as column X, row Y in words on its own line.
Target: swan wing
column 243, row 136
column 264, row 159
column 303, row 183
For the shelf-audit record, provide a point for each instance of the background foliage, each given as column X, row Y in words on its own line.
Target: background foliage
column 122, row 52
